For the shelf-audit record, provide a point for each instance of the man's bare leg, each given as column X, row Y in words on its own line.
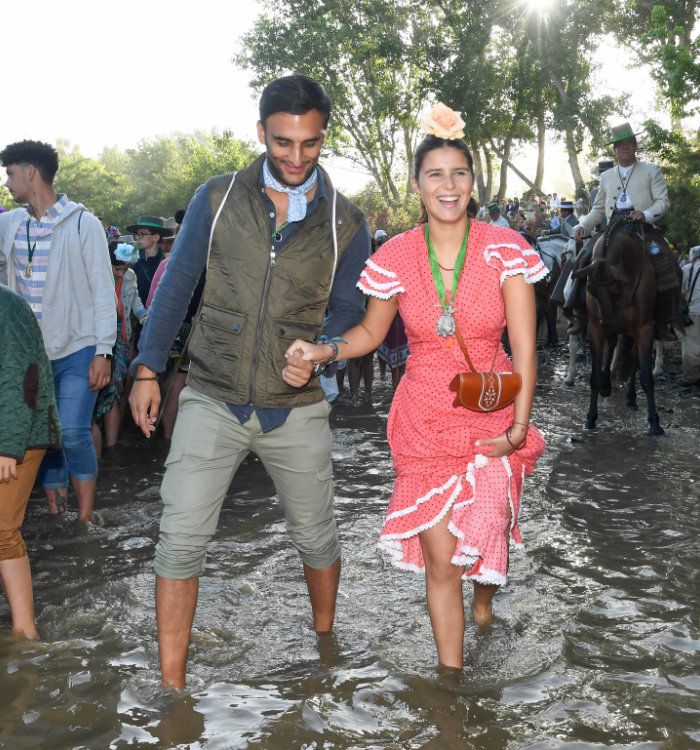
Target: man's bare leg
column 176, row 602
column 323, row 590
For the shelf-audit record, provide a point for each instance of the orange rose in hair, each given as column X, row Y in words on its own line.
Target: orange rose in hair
column 443, row 122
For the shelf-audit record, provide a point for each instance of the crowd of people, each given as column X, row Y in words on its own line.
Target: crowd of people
column 227, row 324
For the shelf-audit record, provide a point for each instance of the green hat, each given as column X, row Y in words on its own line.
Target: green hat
column 493, row 208
column 621, row 133
column 156, row 223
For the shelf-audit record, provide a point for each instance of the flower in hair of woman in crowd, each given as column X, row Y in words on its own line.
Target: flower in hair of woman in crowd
column 126, row 253
column 443, row 122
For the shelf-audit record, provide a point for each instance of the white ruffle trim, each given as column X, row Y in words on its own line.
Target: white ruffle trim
column 379, row 269
column 489, row 577
column 380, row 285
column 490, row 252
column 380, row 295
column 392, row 547
column 532, row 275
column 420, row 501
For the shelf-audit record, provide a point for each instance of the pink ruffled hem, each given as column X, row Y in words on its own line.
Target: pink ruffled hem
column 483, row 502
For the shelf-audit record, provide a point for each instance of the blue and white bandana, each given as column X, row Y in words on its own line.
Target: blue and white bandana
column 296, row 208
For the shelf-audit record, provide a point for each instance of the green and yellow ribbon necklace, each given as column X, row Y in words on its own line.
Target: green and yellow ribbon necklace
column 446, row 322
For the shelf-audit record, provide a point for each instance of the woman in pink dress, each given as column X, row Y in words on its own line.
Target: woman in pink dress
column 459, row 473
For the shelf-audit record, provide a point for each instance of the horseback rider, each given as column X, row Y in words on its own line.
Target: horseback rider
column 637, row 191
column 567, row 220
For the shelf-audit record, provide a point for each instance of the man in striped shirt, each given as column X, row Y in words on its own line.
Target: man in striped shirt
column 54, row 253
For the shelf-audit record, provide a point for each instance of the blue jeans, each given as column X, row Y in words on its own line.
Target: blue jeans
column 76, row 403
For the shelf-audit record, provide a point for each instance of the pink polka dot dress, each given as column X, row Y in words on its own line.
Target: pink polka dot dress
column 438, row 469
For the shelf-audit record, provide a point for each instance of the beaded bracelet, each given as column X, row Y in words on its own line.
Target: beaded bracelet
column 510, row 442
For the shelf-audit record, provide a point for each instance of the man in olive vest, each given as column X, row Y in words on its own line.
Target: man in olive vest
column 283, row 252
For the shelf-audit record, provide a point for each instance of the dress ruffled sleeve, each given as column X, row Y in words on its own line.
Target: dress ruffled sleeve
column 378, row 279
column 512, row 256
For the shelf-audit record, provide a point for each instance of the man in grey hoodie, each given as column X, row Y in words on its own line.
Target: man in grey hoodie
column 54, row 253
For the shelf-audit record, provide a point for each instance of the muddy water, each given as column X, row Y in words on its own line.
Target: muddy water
column 597, row 642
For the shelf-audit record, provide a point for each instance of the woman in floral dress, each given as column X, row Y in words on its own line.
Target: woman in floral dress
column 459, row 473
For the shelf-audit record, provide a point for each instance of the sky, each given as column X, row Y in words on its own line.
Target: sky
column 97, row 77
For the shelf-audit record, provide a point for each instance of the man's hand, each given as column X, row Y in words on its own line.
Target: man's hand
column 99, row 372
column 637, row 216
column 578, row 234
column 8, row 469
column 298, row 371
column 145, row 401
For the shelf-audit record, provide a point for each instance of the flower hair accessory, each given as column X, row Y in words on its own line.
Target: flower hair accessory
column 443, row 122
column 126, row 253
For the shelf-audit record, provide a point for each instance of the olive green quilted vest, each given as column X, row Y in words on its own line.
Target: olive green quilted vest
column 255, row 303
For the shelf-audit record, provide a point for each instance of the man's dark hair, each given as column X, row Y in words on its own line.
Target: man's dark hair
column 179, row 215
column 43, row 156
column 296, row 95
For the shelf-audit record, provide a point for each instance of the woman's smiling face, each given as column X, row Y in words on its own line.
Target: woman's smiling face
column 445, row 184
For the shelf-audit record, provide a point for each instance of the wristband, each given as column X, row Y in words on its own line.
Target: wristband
column 143, row 377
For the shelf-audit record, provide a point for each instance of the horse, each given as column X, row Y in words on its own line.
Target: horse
column 620, row 299
column 551, row 249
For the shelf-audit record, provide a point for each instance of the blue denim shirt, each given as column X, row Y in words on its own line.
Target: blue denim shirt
column 346, row 305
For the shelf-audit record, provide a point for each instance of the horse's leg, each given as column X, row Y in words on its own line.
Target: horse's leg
column 644, row 347
column 632, row 390
column 659, row 358
column 551, row 317
column 596, row 336
column 571, row 370
column 608, row 354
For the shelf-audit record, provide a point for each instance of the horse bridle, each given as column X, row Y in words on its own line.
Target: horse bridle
column 618, row 219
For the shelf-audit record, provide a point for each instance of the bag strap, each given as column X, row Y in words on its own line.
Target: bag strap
column 691, row 289
column 463, row 347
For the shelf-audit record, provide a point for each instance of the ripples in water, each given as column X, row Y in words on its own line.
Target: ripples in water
column 595, row 646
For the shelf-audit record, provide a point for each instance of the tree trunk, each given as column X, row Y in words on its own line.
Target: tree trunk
column 541, row 133
column 505, row 158
column 479, row 169
column 525, row 179
column 573, row 162
column 489, row 173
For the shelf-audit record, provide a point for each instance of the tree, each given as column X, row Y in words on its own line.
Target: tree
column 392, row 219
column 664, row 35
column 88, row 181
column 369, row 57
column 6, row 200
column 680, row 158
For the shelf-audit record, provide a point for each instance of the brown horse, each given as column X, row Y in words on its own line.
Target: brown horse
column 620, row 299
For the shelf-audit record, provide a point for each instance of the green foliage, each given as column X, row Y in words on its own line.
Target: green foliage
column 157, row 177
column 6, row 199
column 392, row 219
column 664, row 36
column 368, row 55
column 680, row 160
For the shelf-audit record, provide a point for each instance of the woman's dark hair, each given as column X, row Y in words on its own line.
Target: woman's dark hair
column 42, row 156
column 295, row 94
column 430, row 143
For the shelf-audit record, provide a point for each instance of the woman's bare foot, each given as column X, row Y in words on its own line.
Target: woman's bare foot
column 483, row 617
column 57, row 500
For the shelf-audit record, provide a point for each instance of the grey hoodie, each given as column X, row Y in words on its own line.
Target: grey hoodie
column 79, row 306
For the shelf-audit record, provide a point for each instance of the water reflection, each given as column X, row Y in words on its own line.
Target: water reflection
column 596, row 643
